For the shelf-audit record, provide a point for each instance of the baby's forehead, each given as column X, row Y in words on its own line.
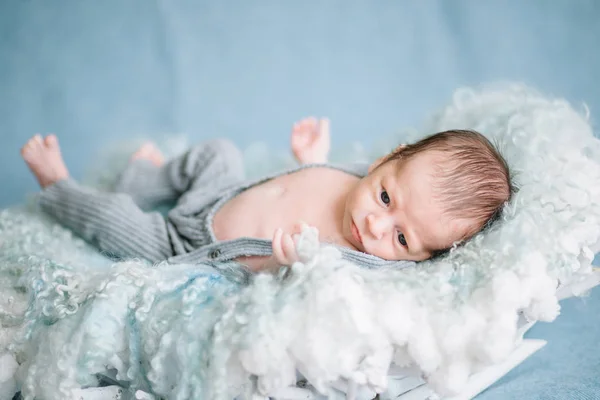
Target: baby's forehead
column 429, row 163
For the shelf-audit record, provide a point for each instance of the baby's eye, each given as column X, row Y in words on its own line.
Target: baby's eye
column 385, row 197
column 402, row 239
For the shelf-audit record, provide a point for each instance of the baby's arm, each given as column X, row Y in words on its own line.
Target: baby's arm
column 310, row 140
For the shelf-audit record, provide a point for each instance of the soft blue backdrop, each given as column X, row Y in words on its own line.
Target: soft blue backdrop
column 96, row 72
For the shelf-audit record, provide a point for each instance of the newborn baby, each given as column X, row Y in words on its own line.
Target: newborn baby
column 412, row 204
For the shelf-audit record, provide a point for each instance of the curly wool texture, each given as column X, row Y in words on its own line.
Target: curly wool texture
column 194, row 332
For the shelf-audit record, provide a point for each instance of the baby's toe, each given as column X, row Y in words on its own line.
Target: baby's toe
column 144, row 151
column 149, row 148
column 32, row 146
column 51, row 141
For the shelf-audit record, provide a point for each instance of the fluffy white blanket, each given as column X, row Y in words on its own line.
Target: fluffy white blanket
column 194, row 331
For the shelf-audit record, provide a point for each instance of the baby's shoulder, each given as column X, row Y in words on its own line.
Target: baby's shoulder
column 328, row 175
column 358, row 170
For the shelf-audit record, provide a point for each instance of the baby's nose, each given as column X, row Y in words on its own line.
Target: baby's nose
column 378, row 225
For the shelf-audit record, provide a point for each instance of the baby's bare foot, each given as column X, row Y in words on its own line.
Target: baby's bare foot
column 149, row 151
column 44, row 159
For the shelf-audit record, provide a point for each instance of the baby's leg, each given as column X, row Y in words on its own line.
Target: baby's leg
column 138, row 179
column 110, row 221
column 44, row 159
column 211, row 165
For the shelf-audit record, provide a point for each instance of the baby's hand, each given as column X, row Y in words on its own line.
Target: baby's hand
column 311, row 141
column 289, row 248
column 284, row 247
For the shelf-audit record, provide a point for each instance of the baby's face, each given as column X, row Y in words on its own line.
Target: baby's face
column 392, row 213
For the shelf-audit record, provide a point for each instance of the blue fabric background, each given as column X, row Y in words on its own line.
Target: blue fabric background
column 96, row 72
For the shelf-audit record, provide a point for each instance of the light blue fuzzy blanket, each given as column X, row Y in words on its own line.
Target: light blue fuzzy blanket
column 195, row 331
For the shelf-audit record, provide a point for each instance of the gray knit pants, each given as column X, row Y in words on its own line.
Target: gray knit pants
column 117, row 224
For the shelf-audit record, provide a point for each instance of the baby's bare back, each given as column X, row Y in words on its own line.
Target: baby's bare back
column 315, row 196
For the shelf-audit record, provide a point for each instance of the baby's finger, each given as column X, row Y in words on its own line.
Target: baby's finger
column 295, row 239
column 289, row 248
column 310, row 121
column 277, row 235
column 324, row 126
column 277, row 247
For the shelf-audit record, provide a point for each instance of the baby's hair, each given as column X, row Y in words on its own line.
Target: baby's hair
column 475, row 181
